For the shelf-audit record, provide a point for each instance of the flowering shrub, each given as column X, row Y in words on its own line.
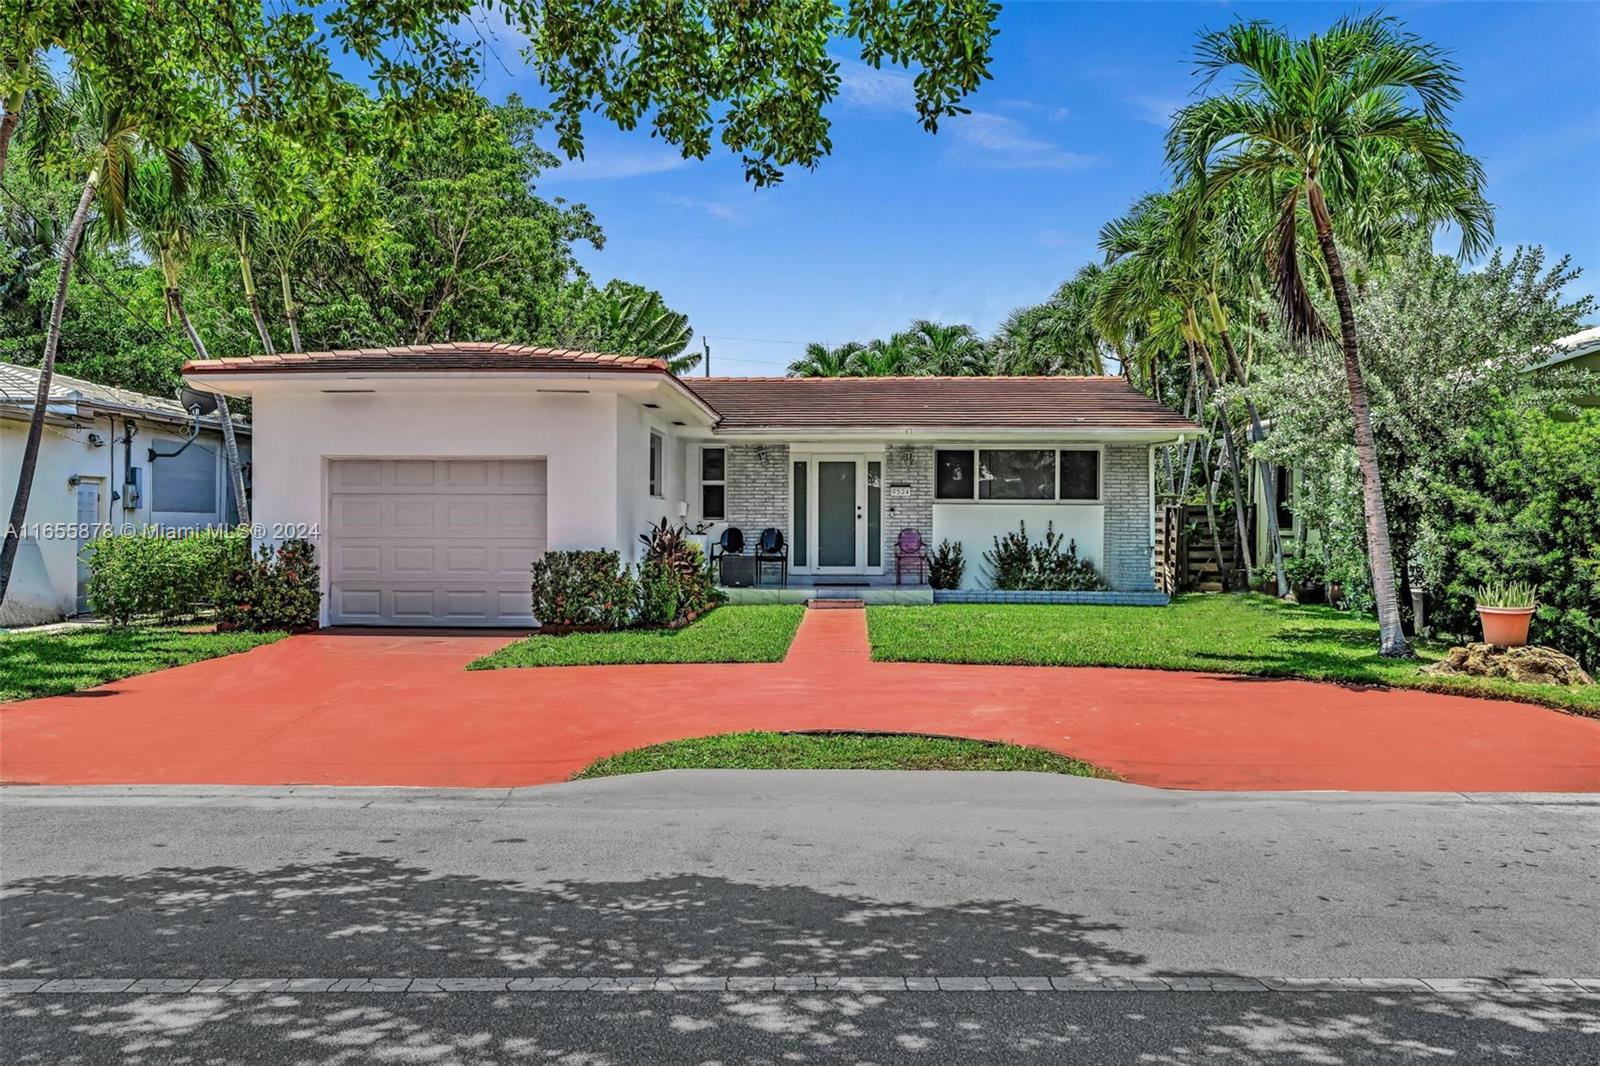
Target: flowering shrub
column 1017, row 563
column 583, row 588
column 274, row 589
column 159, row 576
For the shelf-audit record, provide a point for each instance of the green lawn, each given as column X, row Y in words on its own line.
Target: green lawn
column 835, row 751
column 754, row 634
column 1228, row 634
column 48, row 664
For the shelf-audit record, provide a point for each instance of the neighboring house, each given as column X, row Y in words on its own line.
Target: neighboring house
column 95, row 472
column 1579, row 351
column 431, row 477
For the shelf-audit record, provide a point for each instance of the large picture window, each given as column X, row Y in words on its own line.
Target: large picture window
column 713, row 483
column 1070, row 475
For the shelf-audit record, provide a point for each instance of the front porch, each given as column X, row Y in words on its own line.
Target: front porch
column 873, row 589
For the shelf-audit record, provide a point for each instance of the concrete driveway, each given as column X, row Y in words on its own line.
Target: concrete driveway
column 396, row 708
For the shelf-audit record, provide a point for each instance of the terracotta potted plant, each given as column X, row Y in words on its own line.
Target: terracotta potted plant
column 1505, row 609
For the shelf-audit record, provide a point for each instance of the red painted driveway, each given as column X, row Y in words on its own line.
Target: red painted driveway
column 389, row 708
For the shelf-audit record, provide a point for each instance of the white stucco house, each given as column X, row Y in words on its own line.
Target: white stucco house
column 429, row 478
column 109, row 459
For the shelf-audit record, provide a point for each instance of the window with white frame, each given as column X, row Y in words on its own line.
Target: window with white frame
column 1067, row 475
column 713, row 484
column 657, row 452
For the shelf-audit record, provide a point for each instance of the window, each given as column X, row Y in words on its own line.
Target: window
column 713, row 483
column 797, row 550
column 185, row 483
column 952, row 479
column 1285, row 498
column 1080, row 475
column 657, row 447
column 1017, row 474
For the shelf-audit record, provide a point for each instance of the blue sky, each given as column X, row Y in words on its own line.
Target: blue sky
column 1003, row 204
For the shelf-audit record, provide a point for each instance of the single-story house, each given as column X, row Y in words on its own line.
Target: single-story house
column 1578, row 351
column 430, row 477
column 110, row 459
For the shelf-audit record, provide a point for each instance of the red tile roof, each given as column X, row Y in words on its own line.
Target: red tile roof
column 977, row 402
column 454, row 355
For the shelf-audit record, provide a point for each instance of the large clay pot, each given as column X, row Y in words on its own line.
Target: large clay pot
column 1505, row 626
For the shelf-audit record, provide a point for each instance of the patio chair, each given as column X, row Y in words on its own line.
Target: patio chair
column 731, row 542
column 772, row 549
column 909, row 552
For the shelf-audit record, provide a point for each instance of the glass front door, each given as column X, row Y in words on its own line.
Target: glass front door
column 838, row 515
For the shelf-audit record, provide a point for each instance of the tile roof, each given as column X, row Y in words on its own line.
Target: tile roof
column 976, row 402
column 454, row 355
column 19, row 386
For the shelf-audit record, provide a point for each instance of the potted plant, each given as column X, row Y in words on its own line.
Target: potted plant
column 1505, row 608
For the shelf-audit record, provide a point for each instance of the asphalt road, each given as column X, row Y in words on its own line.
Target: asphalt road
column 850, row 874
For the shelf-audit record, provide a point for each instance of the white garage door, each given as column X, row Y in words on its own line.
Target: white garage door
column 437, row 542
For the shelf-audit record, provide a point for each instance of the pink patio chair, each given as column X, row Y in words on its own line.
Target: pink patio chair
column 909, row 552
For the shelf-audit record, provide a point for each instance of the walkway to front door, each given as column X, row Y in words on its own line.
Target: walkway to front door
column 397, row 708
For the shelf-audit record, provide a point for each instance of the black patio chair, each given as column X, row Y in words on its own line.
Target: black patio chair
column 772, row 549
column 731, row 543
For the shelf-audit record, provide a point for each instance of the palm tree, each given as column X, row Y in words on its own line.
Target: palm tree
column 1056, row 337
column 821, row 361
column 164, row 218
column 1321, row 116
column 91, row 133
column 892, row 358
column 635, row 321
column 944, row 350
column 234, row 221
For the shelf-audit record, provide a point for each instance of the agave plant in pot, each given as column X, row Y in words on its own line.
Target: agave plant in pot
column 1505, row 608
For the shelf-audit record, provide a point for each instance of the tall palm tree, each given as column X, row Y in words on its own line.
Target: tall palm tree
column 890, row 358
column 164, row 218
column 945, row 350
column 636, row 321
column 822, row 361
column 233, row 221
column 91, row 134
column 1318, row 115
column 1058, row 336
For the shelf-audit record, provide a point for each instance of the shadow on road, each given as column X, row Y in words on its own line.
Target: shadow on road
column 356, row 915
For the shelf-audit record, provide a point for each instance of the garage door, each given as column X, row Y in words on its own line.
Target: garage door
column 444, row 542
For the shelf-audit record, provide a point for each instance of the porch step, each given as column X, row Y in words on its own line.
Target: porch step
column 831, row 604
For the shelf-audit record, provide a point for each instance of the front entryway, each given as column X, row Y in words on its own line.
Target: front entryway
column 434, row 541
column 836, row 511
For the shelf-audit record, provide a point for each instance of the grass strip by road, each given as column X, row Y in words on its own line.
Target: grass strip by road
column 836, row 751
column 744, row 634
column 1234, row 634
column 51, row 664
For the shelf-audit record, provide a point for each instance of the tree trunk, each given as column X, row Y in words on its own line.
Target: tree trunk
column 289, row 310
column 1380, row 554
column 230, row 447
column 8, row 126
column 47, row 366
column 247, row 276
column 1267, row 472
column 1232, row 456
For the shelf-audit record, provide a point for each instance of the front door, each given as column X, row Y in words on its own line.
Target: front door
column 839, row 516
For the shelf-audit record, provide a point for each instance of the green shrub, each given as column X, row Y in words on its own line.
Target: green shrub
column 946, row 565
column 277, row 588
column 1018, row 563
column 583, row 588
column 659, row 593
column 161, row 577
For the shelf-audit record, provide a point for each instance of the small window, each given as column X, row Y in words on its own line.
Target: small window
column 953, row 475
column 1285, row 498
column 1080, row 475
column 657, row 447
column 713, row 483
column 1017, row 474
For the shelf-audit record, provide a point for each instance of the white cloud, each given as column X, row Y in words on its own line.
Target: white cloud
column 1156, row 110
column 718, row 209
column 603, row 162
column 871, row 89
column 1004, row 143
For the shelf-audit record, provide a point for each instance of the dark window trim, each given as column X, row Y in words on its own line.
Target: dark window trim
column 704, row 481
column 1100, row 474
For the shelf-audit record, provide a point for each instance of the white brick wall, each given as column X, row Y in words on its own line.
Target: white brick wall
column 758, row 489
column 1125, row 473
column 907, row 466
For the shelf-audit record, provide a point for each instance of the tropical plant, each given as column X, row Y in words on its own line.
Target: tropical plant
column 1018, row 563
column 583, row 588
column 1331, row 118
column 1058, row 336
column 277, row 588
column 631, row 320
column 822, row 361
column 1513, row 594
column 882, row 358
column 943, row 350
column 93, row 136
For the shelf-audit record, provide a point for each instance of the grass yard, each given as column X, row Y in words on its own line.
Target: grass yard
column 836, row 751
column 753, row 634
column 1225, row 634
column 49, row 664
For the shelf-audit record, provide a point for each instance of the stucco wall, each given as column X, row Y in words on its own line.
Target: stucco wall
column 44, row 581
column 638, row 509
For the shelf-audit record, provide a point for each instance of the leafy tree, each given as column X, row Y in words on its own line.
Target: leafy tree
column 628, row 319
column 1332, row 116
